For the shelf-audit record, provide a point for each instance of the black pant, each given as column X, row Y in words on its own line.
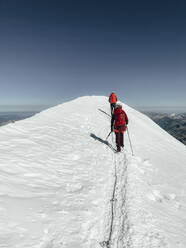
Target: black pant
column 112, row 106
column 119, row 140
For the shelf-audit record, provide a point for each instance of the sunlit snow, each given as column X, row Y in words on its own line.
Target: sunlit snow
column 57, row 175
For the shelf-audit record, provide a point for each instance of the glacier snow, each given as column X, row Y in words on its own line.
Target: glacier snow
column 57, row 176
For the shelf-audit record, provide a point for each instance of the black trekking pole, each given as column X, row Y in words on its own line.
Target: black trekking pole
column 130, row 142
column 108, row 135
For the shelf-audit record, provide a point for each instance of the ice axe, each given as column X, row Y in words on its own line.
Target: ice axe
column 130, row 142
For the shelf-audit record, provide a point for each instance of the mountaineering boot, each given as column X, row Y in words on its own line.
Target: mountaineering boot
column 118, row 149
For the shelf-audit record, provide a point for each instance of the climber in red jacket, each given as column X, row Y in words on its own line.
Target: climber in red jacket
column 119, row 124
column 112, row 100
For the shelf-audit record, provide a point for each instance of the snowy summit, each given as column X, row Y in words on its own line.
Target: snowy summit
column 62, row 184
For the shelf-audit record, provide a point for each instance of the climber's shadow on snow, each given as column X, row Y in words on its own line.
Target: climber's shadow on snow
column 102, row 141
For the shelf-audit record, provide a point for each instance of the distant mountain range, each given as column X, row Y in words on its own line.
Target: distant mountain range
column 11, row 117
column 174, row 124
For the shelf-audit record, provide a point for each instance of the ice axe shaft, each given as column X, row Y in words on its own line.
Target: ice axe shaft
column 130, row 142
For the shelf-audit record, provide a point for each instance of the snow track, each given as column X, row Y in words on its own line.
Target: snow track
column 121, row 236
column 118, row 232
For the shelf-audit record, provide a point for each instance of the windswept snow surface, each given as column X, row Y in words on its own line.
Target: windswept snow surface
column 58, row 176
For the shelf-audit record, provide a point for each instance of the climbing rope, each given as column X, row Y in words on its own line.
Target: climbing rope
column 113, row 199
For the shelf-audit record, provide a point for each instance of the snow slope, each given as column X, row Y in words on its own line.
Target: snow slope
column 62, row 185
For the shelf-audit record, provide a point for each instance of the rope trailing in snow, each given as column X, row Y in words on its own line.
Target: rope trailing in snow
column 107, row 243
column 112, row 206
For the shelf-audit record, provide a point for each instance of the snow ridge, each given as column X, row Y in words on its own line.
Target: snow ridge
column 58, row 175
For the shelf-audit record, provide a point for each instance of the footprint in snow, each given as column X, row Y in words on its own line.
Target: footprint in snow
column 155, row 196
column 158, row 197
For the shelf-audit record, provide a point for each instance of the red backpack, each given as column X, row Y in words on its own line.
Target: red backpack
column 119, row 117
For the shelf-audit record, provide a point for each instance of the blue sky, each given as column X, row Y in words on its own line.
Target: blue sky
column 54, row 51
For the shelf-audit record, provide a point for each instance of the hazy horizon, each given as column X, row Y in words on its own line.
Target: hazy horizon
column 38, row 108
